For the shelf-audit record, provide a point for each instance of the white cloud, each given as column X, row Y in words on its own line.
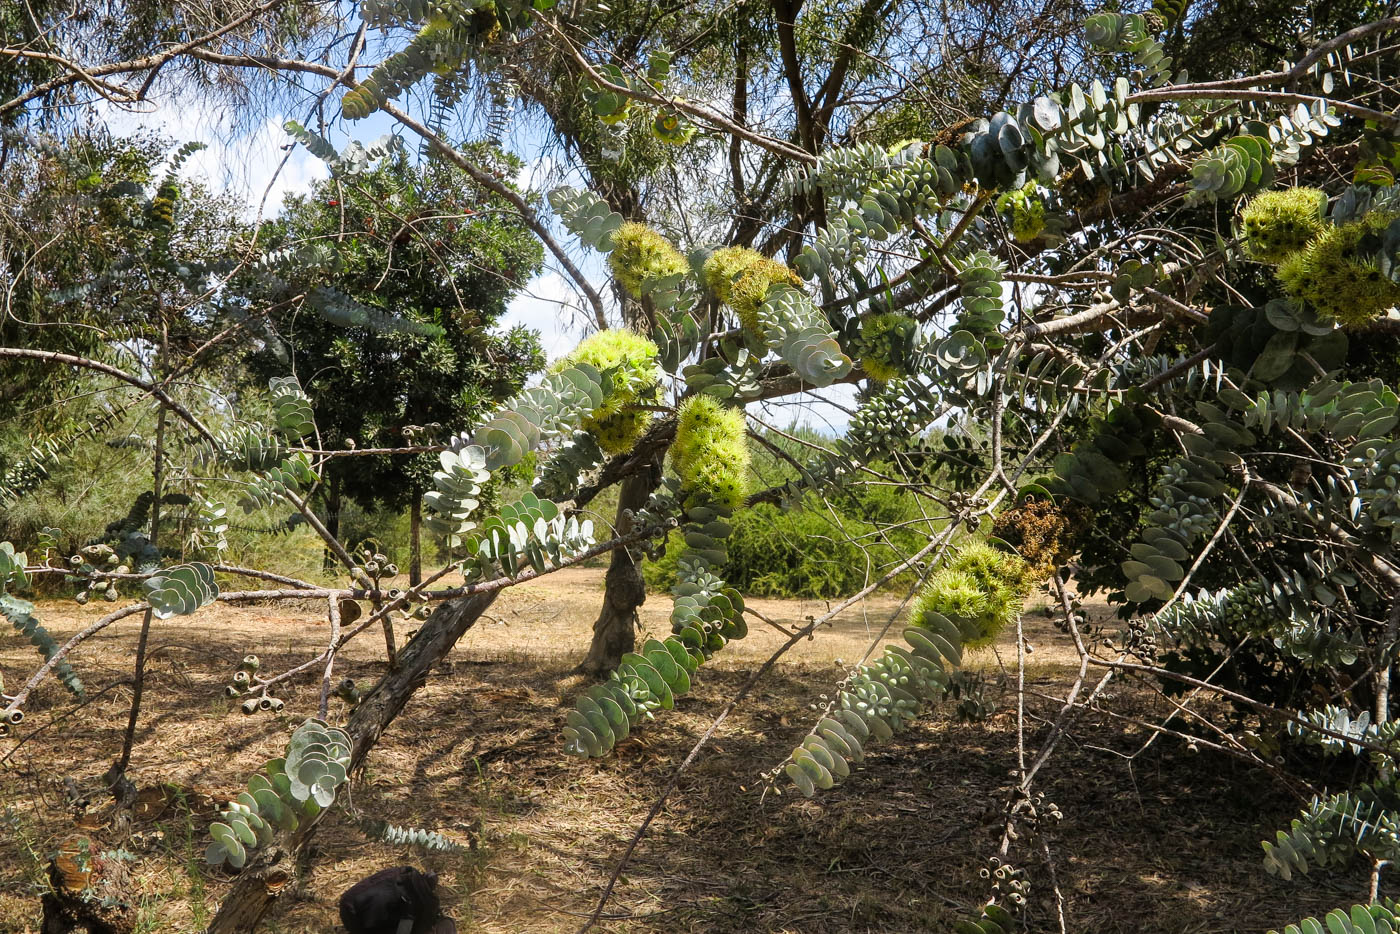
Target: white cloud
column 549, row 305
column 537, row 173
column 822, row 410
column 244, row 164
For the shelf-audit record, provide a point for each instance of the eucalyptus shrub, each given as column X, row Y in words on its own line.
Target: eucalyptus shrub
column 1068, row 301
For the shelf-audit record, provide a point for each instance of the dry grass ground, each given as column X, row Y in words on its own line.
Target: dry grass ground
column 1167, row 842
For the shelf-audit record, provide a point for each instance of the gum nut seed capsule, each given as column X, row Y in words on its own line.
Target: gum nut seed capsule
column 123, row 569
column 110, row 595
column 4, row 729
column 112, row 558
column 76, row 560
column 250, row 706
column 14, row 717
column 380, row 559
column 81, row 597
column 264, row 703
column 232, row 691
column 251, row 662
column 278, row 704
column 241, row 677
column 393, row 570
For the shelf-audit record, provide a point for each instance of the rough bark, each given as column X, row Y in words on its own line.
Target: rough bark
column 615, row 631
column 87, row 894
column 267, row 875
column 415, row 531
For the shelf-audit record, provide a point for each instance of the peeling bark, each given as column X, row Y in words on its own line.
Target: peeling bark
column 615, row 631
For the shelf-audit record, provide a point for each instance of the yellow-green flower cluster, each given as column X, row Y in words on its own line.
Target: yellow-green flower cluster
column 711, row 452
column 742, row 278
column 636, row 379
column 980, row 591
column 882, row 345
column 1027, row 212
column 1330, row 275
column 1278, row 223
column 641, row 256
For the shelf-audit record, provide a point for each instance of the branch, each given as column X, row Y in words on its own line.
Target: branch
column 479, row 175
column 1276, row 97
column 701, row 113
column 785, row 15
column 130, row 65
column 49, row 356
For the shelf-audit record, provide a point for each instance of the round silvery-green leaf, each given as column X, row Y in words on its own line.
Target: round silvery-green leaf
column 244, row 832
column 618, row 721
column 574, row 743
column 818, row 773
column 801, row 779
column 223, row 833
column 324, row 791
column 854, row 723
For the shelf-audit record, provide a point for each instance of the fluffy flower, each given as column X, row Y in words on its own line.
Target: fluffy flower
column 1332, row 275
column 980, row 592
column 711, row 451
column 641, row 257
column 1279, row 223
column 742, row 279
column 636, row 378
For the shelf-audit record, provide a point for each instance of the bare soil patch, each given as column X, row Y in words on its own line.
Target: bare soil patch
column 1165, row 842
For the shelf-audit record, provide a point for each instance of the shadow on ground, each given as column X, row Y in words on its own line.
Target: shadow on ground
column 1164, row 842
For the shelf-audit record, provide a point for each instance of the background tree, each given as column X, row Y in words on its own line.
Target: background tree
column 429, row 246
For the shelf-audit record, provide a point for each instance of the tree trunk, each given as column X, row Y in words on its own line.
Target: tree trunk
column 615, row 632
column 329, row 560
column 415, row 546
column 267, row 875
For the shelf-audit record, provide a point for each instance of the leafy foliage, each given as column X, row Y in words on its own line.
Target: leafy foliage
column 964, row 605
column 295, row 787
column 20, row 613
column 457, row 493
column 1210, row 431
column 180, row 591
column 449, row 35
column 1382, row 917
column 424, row 249
column 1333, row 830
column 878, row 700
column 528, row 531
column 429, row 840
